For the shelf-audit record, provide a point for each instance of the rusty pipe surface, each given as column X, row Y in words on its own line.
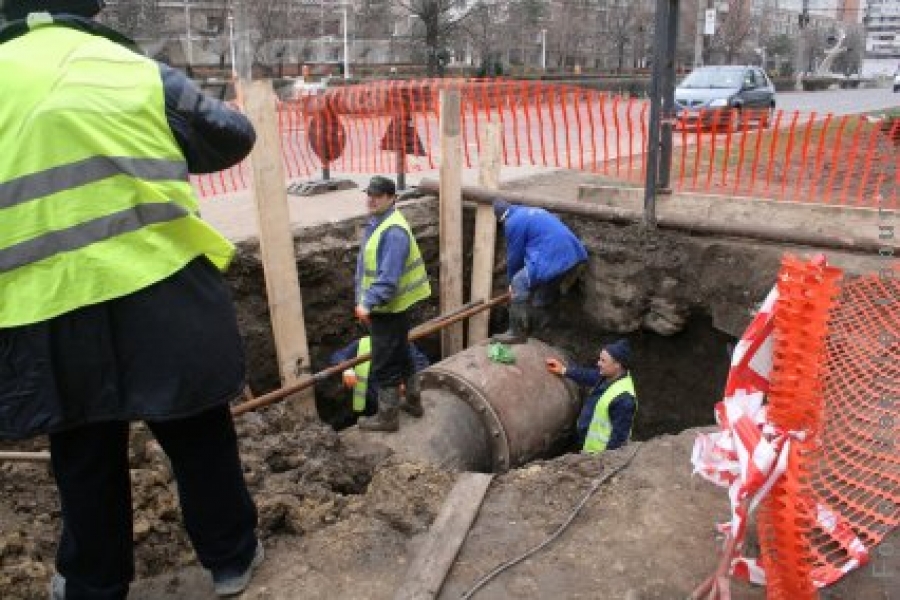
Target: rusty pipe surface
column 625, row 216
column 485, row 416
column 423, row 330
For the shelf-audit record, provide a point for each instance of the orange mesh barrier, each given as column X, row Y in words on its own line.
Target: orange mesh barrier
column 391, row 126
column 796, row 404
column 836, row 377
column 857, row 474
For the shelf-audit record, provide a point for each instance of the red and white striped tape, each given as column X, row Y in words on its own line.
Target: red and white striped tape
column 748, row 455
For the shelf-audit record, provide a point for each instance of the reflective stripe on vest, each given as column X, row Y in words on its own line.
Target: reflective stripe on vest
column 601, row 427
column 413, row 285
column 95, row 203
column 362, row 376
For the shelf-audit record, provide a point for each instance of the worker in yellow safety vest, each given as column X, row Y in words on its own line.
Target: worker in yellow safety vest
column 607, row 416
column 365, row 396
column 113, row 307
column 390, row 279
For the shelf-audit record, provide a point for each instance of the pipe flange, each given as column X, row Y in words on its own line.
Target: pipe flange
column 437, row 378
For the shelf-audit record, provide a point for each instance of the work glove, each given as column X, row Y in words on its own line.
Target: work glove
column 350, row 378
column 362, row 315
column 556, row 366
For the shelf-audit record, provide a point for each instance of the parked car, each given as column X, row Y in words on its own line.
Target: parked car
column 725, row 96
column 897, row 81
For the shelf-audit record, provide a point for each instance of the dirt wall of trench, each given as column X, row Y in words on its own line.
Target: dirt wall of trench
column 681, row 300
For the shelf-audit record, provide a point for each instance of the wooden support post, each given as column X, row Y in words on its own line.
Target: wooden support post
column 451, row 218
column 276, row 242
column 429, row 568
column 485, row 232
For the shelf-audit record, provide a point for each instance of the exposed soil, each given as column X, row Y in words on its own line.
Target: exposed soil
column 338, row 523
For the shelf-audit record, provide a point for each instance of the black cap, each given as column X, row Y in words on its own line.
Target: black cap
column 381, row 186
column 19, row 9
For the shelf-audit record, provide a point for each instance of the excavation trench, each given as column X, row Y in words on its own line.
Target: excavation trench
column 680, row 300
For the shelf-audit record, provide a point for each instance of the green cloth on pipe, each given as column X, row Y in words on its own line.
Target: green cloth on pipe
column 501, row 353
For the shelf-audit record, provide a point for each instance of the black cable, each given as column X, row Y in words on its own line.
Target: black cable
column 511, row 563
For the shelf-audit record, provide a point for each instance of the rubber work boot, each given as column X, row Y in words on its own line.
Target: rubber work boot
column 230, row 583
column 387, row 417
column 412, row 401
column 518, row 326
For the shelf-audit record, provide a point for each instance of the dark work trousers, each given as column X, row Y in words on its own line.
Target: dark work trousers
column 391, row 363
column 90, row 464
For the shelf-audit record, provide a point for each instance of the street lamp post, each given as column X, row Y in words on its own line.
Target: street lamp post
column 187, row 32
column 231, row 45
column 543, row 49
column 346, row 45
column 762, row 56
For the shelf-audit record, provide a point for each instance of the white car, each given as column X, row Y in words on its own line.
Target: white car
column 897, row 81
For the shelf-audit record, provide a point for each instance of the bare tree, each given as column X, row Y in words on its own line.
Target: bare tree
column 485, row 31
column 734, row 30
column 136, row 18
column 273, row 23
column 623, row 19
column 523, row 27
column 440, row 20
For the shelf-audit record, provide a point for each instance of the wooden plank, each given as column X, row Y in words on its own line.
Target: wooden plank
column 435, row 556
column 451, row 219
column 485, row 233
column 276, row 242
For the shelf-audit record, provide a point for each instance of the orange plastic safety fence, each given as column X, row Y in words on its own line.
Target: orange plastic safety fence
column 392, row 126
column 806, row 293
column 835, row 389
column 857, row 475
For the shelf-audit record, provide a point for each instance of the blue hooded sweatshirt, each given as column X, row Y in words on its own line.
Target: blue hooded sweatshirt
column 541, row 242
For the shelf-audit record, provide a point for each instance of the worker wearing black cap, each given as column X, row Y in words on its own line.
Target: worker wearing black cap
column 113, row 307
column 390, row 279
column 607, row 416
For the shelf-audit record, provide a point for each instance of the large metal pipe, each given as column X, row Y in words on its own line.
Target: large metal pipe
column 486, row 416
column 692, row 226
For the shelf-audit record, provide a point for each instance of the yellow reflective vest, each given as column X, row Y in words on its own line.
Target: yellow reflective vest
column 362, row 375
column 95, row 201
column 600, row 429
column 413, row 285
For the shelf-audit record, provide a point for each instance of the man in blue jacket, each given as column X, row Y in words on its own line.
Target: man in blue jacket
column 607, row 415
column 113, row 307
column 541, row 252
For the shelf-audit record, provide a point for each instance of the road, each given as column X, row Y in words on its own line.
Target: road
column 839, row 102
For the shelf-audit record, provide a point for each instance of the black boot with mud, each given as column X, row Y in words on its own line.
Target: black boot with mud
column 411, row 402
column 518, row 326
column 387, row 418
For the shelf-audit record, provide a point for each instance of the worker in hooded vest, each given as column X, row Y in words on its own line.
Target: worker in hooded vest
column 113, row 307
column 390, row 280
column 543, row 259
column 607, row 416
column 365, row 396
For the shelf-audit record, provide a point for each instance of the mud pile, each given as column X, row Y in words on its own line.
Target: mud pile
column 300, row 476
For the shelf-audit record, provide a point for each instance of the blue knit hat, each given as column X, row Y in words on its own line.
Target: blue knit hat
column 620, row 350
column 500, row 209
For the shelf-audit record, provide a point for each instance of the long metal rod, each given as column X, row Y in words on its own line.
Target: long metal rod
column 620, row 215
column 424, row 330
